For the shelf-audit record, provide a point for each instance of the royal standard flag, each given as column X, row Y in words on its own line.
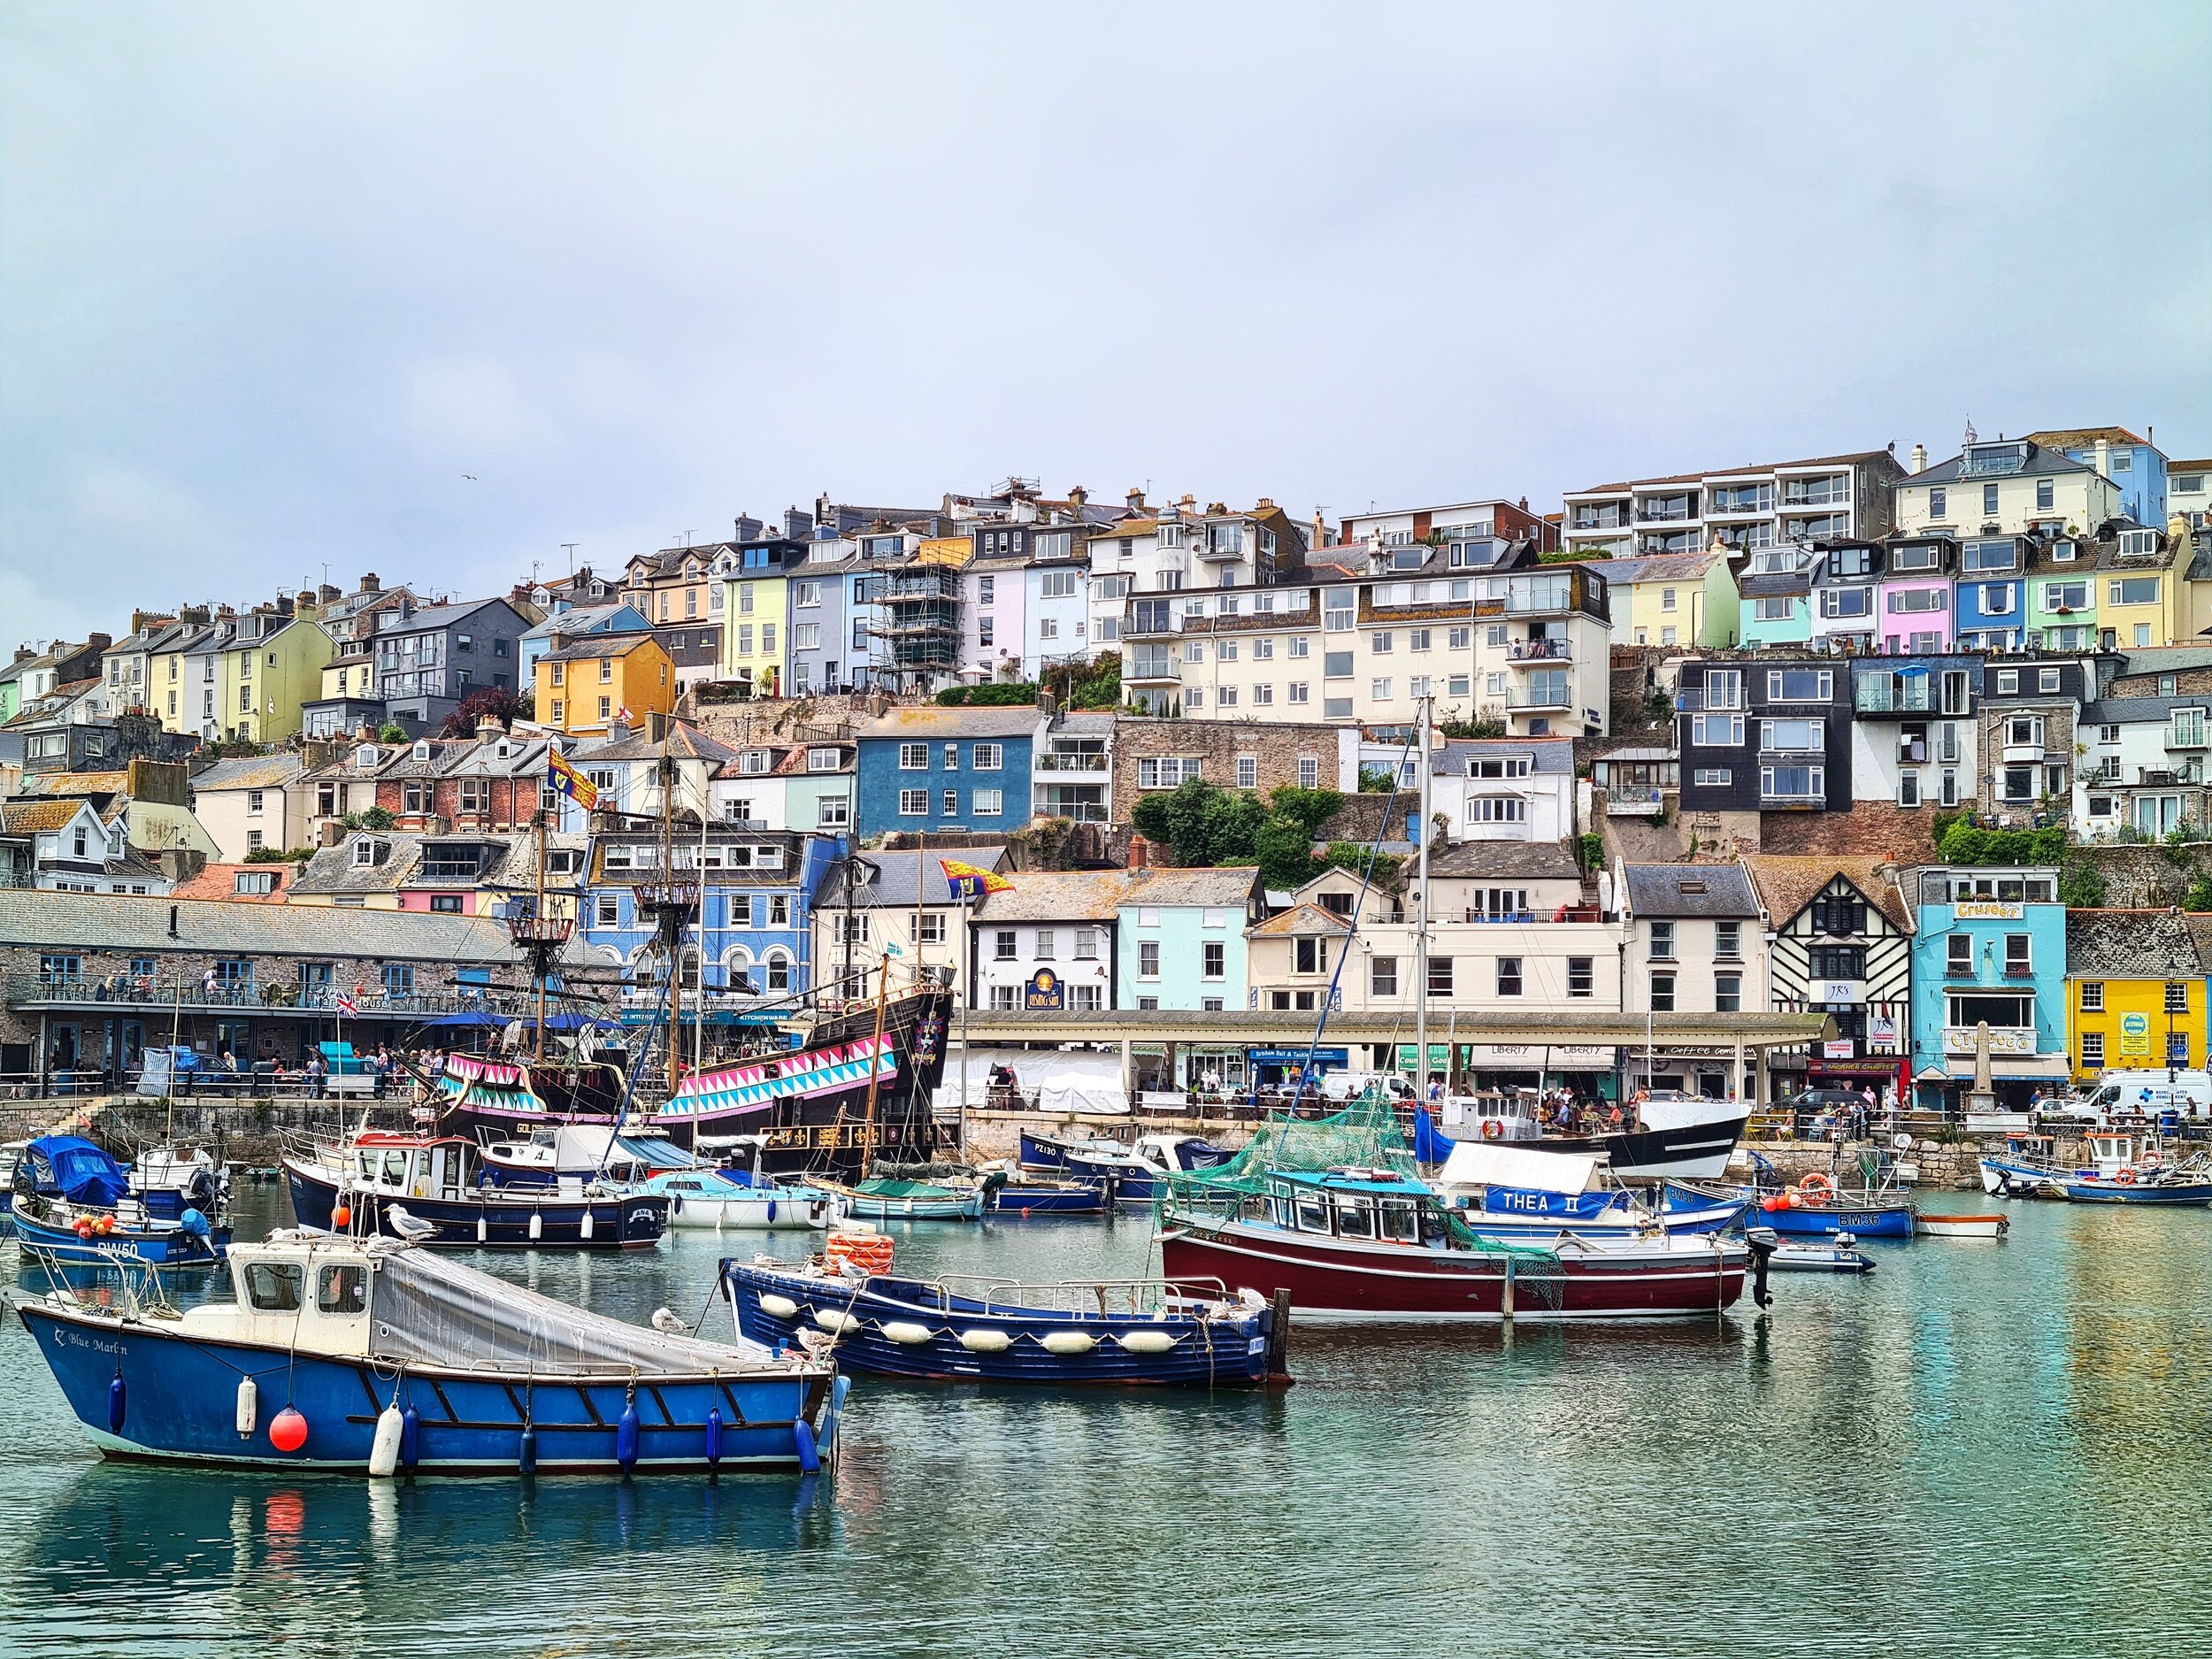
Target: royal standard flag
column 570, row 781
column 970, row 881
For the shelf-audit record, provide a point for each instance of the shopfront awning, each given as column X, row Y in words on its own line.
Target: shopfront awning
column 1532, row 1057
column 2046, row 1068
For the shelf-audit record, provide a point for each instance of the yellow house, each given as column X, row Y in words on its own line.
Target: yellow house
column 169, row 674
column 273, row 666
column 2135, row 990
column 1674, row 599
column 756, row 629
column 585, row 687
column 2143, row 599
column 353, row 675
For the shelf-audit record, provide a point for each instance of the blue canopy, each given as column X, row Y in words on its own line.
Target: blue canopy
column 80, row 1172
column 474, row 1018
column 574, row 1022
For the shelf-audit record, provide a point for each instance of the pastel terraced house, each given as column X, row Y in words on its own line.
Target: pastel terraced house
column 1687, row 599
column 1915, row 595
column 2005, row 488
column 584, row 687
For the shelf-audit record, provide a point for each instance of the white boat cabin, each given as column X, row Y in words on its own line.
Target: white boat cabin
column 296, row 1288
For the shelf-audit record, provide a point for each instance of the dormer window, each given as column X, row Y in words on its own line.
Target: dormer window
column 422, row 750
column 367, row 853
column 365, row 756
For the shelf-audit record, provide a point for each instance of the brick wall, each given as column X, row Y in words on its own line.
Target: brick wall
column 512, row 802
column 1276, row 747
column 2058, row 747
column 1870, row 829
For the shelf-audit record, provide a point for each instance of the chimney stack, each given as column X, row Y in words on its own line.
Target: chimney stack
column 1919, row 458
column 330, row 592
column 2104, row 458
column 370, row 585
column 1078, row 496
column 1135, row 500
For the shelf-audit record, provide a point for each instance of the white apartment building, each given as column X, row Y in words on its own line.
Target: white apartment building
column 1491, row 789
column 1745, row 507
column 1049, row 942
column 1527, row 646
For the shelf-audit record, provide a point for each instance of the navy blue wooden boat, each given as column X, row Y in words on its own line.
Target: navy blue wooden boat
column 1130, row 1174
column 953, row 1330
column 366, row 1354
column 74, row 1202
column 437, row 1181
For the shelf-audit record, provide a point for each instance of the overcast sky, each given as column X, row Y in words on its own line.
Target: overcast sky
column 274, row 278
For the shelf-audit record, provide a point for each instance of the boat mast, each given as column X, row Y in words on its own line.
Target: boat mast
column 875, row 1068
column 1421, row 929
column 675, row 932
column 538, row 909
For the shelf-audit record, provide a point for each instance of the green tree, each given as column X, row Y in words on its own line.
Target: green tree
column 1283, row 849
column 2080, row 884
column 1378, row 780
column 1309, row 809
column 1353, row 856
column 2200, row 895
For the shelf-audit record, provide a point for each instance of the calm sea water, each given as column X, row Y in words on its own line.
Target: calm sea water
column 1984, row 1449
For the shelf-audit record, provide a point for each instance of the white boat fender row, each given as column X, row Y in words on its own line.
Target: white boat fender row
column 537, row 1226
column 584, row 1231
column 778, row 1307
column 981, row 1340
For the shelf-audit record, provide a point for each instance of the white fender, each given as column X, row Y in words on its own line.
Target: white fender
column 907, row 1332
column 537, row 1225
column 1147, row 1341
column 1069, row 1342
column 384, row 1449
column 831, row 1319
column 586, row 1231
column 248, row 1404
column 778, row 1307
column 480, row 1229
column 986, row 1341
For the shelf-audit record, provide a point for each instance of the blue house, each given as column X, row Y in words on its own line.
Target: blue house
column 2133, row 463
column 1989, row 948
column 931, row 768
column 750, row 951
column 1993, row 592
column 574, row 622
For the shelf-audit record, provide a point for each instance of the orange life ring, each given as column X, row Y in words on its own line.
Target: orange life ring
column 2125, row 1178
column 1816, row 1188
column 1492, row 1129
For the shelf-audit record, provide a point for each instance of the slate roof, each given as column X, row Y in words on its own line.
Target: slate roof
column 333, row 872
column 431, row 619
column 1786, row 883
column 1731, row 472
column 2041, row 459
column 1658, row 568
column 686, row 741
column 1225, row 886
column 2125, row 712
column 1549, row 756
column 2085, row 437
column 591, row 647
column 2131, row 945
column 1658, row 890
column 258, row 772
column 73, row 783
column 892, row 887
column 1777, row 585
column 1520, row 861
column 116, row 922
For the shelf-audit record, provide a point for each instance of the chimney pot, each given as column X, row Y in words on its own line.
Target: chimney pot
column 1919, row 458
column 1136, row 501
column 370, row 585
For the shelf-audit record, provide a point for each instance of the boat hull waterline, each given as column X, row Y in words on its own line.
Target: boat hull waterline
column 1351, row 1281
column 495, row 1219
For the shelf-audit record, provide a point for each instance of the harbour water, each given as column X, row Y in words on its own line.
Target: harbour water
column 1981, row 1448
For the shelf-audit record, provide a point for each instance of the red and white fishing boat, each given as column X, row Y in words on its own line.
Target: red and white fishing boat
column 1372, row 1245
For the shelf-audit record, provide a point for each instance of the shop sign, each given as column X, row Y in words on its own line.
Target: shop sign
column 1838, row 1048
column 1988, row 910
column 1046, row 995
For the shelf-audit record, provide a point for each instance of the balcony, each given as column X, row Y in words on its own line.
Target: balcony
column 2023, row 754
column 1672, row 510
column 1208, row 549
column 1541, row 651
column 1634, row 800
column 1539, row 696
column 1876, row 694
column 1588, row 519
column 1817, row 493
column 1960, row 1040
column 126, row 993
column 1070, row 763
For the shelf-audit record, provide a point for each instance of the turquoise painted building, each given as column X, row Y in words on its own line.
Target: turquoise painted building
column 1989, row 948
column 1181, row 937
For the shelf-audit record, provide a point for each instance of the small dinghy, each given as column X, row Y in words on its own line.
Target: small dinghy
column 1196, row 1335
column 1027, row 1193
column 908, row 1200
column 1802, row 1255
column 1961, row 1226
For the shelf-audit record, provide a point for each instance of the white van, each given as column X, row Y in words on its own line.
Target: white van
column 2142, row 1094
column 1350, row 1085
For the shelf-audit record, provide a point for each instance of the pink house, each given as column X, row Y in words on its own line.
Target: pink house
column 1915, row 606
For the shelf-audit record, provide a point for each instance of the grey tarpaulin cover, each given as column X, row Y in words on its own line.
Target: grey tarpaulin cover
column 427, row 1310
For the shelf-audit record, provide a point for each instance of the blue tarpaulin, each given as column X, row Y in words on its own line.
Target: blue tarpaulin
column 474, row 1018
column 79, row 1170
column 1431, row 1145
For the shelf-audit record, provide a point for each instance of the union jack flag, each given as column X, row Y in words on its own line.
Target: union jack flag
column 346, row 1006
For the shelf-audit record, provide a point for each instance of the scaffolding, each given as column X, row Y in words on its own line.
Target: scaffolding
column 916, row 637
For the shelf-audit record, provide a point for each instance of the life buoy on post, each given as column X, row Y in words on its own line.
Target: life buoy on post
column 1492, row 1129
column 2125, row 1178
column 1816, row 1189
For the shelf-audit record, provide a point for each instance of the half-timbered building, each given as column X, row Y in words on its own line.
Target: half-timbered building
column 1838, row 942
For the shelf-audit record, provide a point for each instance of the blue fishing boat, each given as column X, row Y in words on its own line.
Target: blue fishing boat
column 356, row 1185
column 2121, row 1170
column 1130, row 1174
column 953, row 1330
column 1816, row 1206
column 74, row 1202
column 350, row 1354
column 1029, row 1193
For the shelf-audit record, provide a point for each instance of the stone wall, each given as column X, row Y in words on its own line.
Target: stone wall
column 1277, row 748
column 2147, row 878
column 1870, row 829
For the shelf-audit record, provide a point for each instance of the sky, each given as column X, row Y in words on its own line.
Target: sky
column 294, row 292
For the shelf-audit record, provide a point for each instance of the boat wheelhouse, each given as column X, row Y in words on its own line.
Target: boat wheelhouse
column 438, row 1187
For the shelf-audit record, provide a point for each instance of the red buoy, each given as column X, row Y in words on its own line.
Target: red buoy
column 342, row 1217
column 287, row 1430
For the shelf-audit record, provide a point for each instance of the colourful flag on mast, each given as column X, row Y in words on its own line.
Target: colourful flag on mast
column 972, row 881
column 570, row 781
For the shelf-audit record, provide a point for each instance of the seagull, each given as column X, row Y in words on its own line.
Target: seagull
column 470, row 476
column 409, row 1227
column 669, row 1323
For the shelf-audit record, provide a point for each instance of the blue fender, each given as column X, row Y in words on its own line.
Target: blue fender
column 810, row 1454
column 714, row 1437
column 117, row 1400
column 409, row 1439
column 626, row 1437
